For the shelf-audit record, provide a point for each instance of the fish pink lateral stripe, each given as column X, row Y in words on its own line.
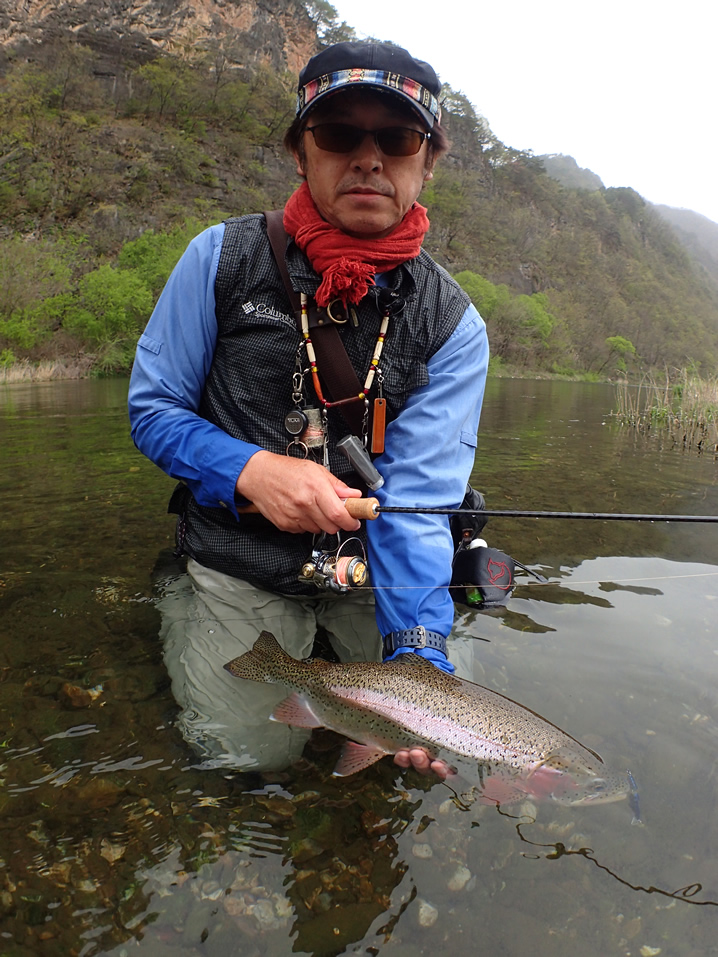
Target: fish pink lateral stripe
column 443, row 730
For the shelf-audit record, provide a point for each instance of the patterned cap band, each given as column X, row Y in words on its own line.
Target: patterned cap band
column 382, row 79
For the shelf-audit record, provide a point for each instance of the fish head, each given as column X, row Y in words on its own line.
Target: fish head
column 572, row 779
column 598, row 790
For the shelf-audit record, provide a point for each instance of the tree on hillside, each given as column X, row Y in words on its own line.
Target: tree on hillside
column 469, row 132
column 620, row 350
column 329, row 28
column 519, row 327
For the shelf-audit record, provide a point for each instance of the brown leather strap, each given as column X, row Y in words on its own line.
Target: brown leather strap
column 338, row 375
column 278, row 242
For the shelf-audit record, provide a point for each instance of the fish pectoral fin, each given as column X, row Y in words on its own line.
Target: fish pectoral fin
column 355, row 757
column 297, row 711
column 499, row 791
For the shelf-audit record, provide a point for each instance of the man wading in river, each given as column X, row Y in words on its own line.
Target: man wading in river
column 232, row 395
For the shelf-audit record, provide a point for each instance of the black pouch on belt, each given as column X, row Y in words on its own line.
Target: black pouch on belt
column 482, row 576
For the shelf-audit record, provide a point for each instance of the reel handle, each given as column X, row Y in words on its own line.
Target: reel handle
column 361, row 508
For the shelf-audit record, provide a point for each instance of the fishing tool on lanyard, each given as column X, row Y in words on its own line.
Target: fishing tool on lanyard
column 329, row 568
column 306, row 425
column 363, row 393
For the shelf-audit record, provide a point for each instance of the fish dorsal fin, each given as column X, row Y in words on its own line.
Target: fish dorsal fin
column 267, row 644
column 252, row 664
column 355, row 757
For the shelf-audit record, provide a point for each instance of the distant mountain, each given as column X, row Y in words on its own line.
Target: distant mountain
column 566, row 171
column 697, row 233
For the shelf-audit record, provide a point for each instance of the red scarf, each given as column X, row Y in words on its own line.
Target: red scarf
column 347, row 264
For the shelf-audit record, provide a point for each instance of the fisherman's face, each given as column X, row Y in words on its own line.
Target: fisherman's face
column 365, row 193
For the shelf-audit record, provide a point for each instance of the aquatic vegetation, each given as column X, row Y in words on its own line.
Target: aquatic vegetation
column 22, row 370
column 683, row 409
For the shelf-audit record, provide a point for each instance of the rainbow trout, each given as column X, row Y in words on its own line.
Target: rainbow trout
column 409, row 703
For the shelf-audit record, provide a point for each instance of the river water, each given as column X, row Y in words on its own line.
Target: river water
column 113, row 843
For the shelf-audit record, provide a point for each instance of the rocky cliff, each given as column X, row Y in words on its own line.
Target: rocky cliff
column 278, row 33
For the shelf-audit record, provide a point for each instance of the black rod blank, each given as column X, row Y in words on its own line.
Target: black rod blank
column 513, row 513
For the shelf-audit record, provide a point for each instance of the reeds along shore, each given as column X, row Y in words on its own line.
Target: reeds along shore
column 682, row 408
column 26, row 371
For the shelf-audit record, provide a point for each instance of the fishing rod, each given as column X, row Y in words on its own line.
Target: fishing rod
column 369, row 508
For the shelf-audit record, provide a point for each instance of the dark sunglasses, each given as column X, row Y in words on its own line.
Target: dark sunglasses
column 391, row 140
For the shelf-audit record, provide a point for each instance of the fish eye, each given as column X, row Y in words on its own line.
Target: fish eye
column 599, row 784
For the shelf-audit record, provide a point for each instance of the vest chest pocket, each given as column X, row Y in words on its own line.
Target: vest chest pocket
column 402, row 375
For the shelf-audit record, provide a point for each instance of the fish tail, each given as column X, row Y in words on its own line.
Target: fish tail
column 261, row 662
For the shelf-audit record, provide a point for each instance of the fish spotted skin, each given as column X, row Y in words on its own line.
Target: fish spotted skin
column 409, row 703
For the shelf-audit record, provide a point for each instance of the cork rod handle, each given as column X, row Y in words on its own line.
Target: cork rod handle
column 361, row 508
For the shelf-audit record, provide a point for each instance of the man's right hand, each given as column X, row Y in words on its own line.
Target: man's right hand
column 418, row 759
column 296, row 495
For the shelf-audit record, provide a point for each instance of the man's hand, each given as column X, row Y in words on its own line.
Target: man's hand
column 296, row 495
column 418, row 759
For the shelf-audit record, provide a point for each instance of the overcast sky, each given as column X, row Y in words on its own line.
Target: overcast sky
column 629, row 88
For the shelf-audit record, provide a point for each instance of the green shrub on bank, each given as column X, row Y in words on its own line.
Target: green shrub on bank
column 519, row 326
column 111, row 304
column 104, row 311
column 104, row 315
column 153, row 256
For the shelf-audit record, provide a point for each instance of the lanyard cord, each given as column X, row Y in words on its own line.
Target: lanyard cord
column 311, row 355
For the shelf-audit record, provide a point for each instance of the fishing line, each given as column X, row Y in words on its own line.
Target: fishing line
column 566, row 582
column 685, row 894
column 561, row 582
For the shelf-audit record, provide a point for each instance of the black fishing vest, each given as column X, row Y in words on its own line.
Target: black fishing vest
column 248, row 391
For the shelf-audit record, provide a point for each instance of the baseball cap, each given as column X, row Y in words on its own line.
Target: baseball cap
column 378, row 66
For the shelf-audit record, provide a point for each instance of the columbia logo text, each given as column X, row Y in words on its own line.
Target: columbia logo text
column 267, row 312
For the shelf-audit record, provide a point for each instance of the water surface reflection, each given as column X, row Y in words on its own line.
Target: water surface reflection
column 113, row 842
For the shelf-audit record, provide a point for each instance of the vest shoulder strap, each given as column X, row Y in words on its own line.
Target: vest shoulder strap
column 339, row 375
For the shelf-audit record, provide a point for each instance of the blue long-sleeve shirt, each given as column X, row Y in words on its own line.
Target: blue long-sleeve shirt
column 429, row 447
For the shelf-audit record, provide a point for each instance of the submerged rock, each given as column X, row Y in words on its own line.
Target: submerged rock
column 428, row 914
